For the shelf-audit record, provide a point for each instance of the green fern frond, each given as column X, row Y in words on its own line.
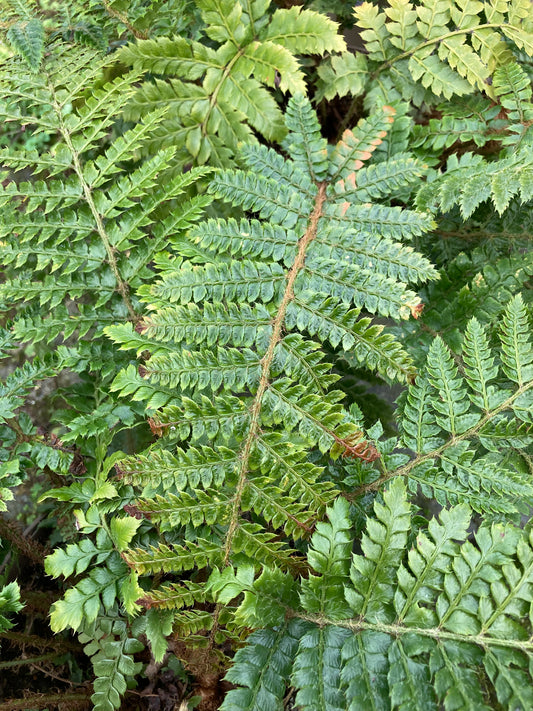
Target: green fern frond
column 9, row 602
column 238, row 345
column 476, row 119
column 483, row 283
column 430, row 48
column 445, row 415
column 221, row 94
column 446, row 616
column 107, row 642
column 27, row 39
column 470, row 181
column 513, row 89
column 178, row 470
column 76, row 233
column 517, row 350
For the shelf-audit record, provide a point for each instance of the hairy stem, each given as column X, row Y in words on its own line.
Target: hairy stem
column 394, row 629
column 41, row 701
column 28, row 660
column 266, row 363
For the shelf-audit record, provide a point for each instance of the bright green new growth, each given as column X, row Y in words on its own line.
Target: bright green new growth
column 219, row 95
column 444, row 622
column 432, row 48
column 9, row 602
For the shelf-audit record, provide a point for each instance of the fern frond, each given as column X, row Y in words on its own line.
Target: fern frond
column 224, row 367
column 256, row 415
column 75, row 233
column 267, row 664
column 429, row 48
column 513, row 89
column 445, row 617
column 164, row 558
column 27, row 39
column 221, row 94
column 174, row 471
column 444, row 418
column 341, row 75
column 517, row 351
column 483, row 286
column 304, row 141
column 470, row 181
column 243, row 280
column 111, row 649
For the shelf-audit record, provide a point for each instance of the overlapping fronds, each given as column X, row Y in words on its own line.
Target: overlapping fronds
column 217, row 91
column 441, row 623
column 480, row 283
column 26, row 24
column 470, row 180
column 432, row 48
column 78, row 235
column 237, row 371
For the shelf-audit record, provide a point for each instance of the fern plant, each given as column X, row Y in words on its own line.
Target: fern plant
column 215, row 86
column 368, row 628
column 239, row 379
column 428, row 49
column 76, row 241
column 79, row 232
column 487, row 259
column 470, row 179
column 442, row 622
column 365, row 260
